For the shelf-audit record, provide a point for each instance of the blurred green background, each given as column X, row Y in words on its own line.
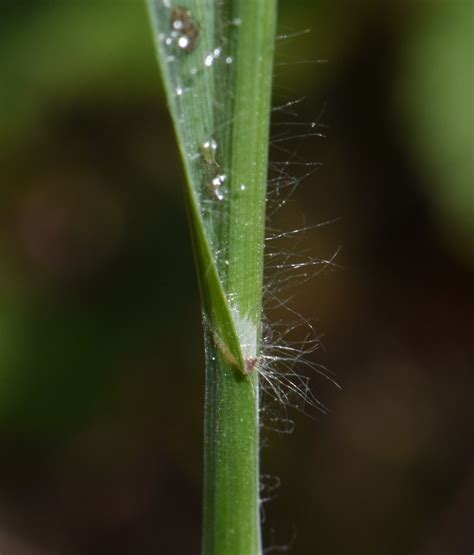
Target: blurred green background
column 101, row 369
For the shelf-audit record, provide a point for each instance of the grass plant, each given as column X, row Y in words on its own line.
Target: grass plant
column 216, row 60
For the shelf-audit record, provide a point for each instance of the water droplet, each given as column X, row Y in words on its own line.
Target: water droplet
column 243, row 187
column 179, row 91
column 214, row 55
column 216, row 186
column 229, row 60
column 219, row 180
column 184, row 42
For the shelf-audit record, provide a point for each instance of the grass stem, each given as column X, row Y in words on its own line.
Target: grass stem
column 216, row 59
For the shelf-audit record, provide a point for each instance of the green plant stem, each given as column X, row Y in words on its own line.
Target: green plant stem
column 231, row 491
column 229, row 101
